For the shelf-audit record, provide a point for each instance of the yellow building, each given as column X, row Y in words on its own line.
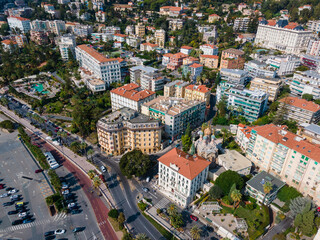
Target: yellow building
column 140, row 30
column 268, row 85
column 210, row 61
column 199, row 93
column 160, row 37
column 125, row 130
column 175, row 89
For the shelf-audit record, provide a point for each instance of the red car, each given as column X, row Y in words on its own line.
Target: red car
column 194, row 218
column 1, row 186
column 102, row 178
column 38, row 171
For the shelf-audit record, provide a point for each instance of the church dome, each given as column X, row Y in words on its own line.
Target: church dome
column 207, row 131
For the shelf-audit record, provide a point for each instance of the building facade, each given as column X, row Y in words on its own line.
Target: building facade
column 198, row 92
column 305, row 82
column 268, row 85
column 259, row 69
column 23, row 24
column 175, row 89
column 209, row 61
column 232, row 59
column 67, row 42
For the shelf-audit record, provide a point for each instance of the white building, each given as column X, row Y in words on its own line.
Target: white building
column 259, row 69
column 137, row 71
column 66, row 42
column 186, row 50
column 305, row 82
column 23, row 24
column 314, row 26
column 181, row 175
column 130, row 96
column 285, row 65
column 314, row 48
column 133, row 41
column 236, row 76
column 209, row 49
column 55, row 26
column 233, row 160
column 96, row 85
column 107, row 69
column 241, row 24
column 283, row 36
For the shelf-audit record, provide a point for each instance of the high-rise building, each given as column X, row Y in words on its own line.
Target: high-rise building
column 232, row 58
column 107, row 69
column 175, row 89
column 126, row 130
column 256, row 68
column 67, row 42
column 241, row 24
column 198, row 92
column 305, row 82
column 268, row 85
column 23, row 24
column 140, row 30
column 160, row 37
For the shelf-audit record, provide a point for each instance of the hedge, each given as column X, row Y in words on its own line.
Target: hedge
column 36, row 151
column 55, row 180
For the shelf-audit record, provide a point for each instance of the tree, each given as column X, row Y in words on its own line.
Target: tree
column 5, row 102
column 126, row 236
column 113, row 213
column 121, row 220
column 176, row 220
column 134, row 163
column 299, row 204
column 90, row 153
column 287, row 193
column 227, row 179
column 7, row 124
column 215, row 192
column 75, row 146
column 236, row 196
column 91, row 174
column 142, row 236
column 222, row 106
column 267, row 188
column 186, row 139
column 305, row 221
column 307, row 96
column 172, row 210
column 195, row 233
column 96, row 182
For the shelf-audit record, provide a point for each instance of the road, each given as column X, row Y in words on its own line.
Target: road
column 282, row 226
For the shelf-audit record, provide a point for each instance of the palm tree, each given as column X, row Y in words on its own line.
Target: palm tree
column 267, row 187
column 172, row 210
column 195, row 233
column 91, row 174
column 90, row 153
column 142, row 236
column 96, row 182
column 83, row 146
column 236, row 196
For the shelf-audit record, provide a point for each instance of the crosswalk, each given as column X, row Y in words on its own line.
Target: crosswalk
column 162, row 203
column 56, row 218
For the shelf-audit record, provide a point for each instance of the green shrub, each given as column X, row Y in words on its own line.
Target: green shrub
column 113, row 213
column 7, row 124
column 142, row 206
column 225, row 199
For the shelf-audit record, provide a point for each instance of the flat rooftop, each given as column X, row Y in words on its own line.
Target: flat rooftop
column 233, row 160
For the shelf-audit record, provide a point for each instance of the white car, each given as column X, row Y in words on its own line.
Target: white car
column 71, row 205
column 103, row 168
column 14, row 196
column 4, row 195
column 12, row 191
column 23, row 214
column 65, row 192
column 59, row 231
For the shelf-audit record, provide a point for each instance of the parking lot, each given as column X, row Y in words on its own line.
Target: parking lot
column 18, row 172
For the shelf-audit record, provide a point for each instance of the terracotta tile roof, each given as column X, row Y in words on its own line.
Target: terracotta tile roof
column 96, row 55
column 189, row 166
column 168, row 55
column 120, row 35
column 272, row 22
column 150, row 44
column 246, row 131
column 20, row 18
column 210, row 56
column 301, row 103
column 278, row 135
column 196, row 65
column 179, row 55
column 234, row 51
column 119, row 59
column 187, row 47
column 198, row 88
column 291, row 25
column 241, row 125
column 209, row 45
column 214, row 15
column 8, row 42
column 128, row 91
column 192, row 59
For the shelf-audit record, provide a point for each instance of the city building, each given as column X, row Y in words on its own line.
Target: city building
column 171, row 11
column 82, row 30
column 100, row 16
column 259, row 69
column 213, row 17
column 176, row 60
column 243, row 136
column 300, row 110
column 305, row 82
column 106, row 69
column 284, row 65
column 206, row 146
column 133, row 41
column 310, row 132
column 39, row 37
column 241, row 24
column 210, row 36
column 307, row 7
column 193, row 70
column 126, row 130
column 198, row 92
column 9, row 45
column 175, row 113
column 20, row 39
column 209, row 49
column 186, row 50
column 313, row 48
column 148, row 47
column 247, row 103
column 175, row 89
column 160, row 37
column 67, row 42
column 140, row 30
column 137, row 71
column 314, row 26
column 283, row 36
column 23, row 24
column 268, row 85
column 209, row 61
column 190, row 60
column 312, row 62
column 181, row 175
column 130, row 96
column 236, row 76
column 288, row 156
column 232, row 58
column 255, row 188
column 96, row 85
column 235, row 161
column 56, row 26
column 175, row 24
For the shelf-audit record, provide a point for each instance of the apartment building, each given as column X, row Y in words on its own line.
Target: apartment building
column 130, row 96
column 247, row 103
column 301, row 110
column 137, row 72
column 193, row 70
column 39, row 37
column 241, row 24
column 153, row 81
column 140, row 30
column 313, row 47
column 23, row 24
column 186, row 50
column 259, row 69
column 175, row 113
column 243, row 136
column 119, row 37
column 175, row 24
column 100, row 16
column 283, row 36
column 209, row 61
column 148, row 47
column 314, row 26
column 310, row 132
column 209, row 49
column 67, row 42
column 312, row 62
column 175, row 89
column 284, row 65
column 126, row 130
column 176, row 60
column 305, row 82
column 171, row 11
column 198, row 92
column 268, row 85
column 9, row 45
column 55, row 26
column 285, row 155
column 133, row 41
column 236, row 76
column 160, row 37
column 181, row 176
column 82, row 30
column 213, row 17
column 107, row 69
column 232, row 59
column 190, row 60
column 96, row 85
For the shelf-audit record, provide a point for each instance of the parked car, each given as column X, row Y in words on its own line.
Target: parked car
column 38, row 171
column 7, row 204
column 12, row 212
column 78, row 229
column 1, row 186
column 145, row 189
column 12, row 191
column 17, row 222
column 49, row 233
column 59, row 231
column 102, row 178
column 23, row 214
column 75, row 211
column 194, row 218
column 65, row 192
column 103, row 169
column 64, row 185
column 71, row 205
column 28, row 220
column 148, row 179
column 4, row 195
